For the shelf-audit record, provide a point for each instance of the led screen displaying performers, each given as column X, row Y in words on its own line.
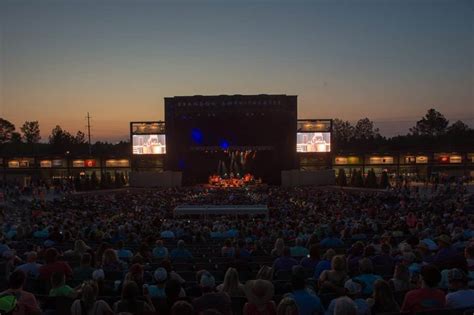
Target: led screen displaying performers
column 149, row 144
column 307, row 142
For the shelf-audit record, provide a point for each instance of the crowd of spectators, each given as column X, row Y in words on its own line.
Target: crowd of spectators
column 319, row 251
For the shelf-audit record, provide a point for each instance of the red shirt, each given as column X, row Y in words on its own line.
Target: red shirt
column 423, row 299
column 47, row 270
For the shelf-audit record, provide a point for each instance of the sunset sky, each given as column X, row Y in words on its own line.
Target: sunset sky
column 387, row 60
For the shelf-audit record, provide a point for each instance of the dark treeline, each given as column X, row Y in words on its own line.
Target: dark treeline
column 433, row 132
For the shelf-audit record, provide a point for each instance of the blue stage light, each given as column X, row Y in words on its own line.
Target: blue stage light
column 196, row 135
column 224, row 144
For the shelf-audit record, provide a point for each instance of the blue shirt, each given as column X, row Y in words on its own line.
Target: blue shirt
column 181, row 253
column 3, row 248
column 284, row 263
column 124, row 253
column 156, row 292
column 320, row 267
column 368, row 280
column 331, row 242
column 308, row 304
column 160, row 252
column 31, row 269
column 299, row 251
column 362, row 307
column 167, row 234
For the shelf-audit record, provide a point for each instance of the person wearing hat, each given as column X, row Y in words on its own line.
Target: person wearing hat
column 353, row 291
column 259, row 295
column 15, row 299
column 462, row 297
column 211, row 299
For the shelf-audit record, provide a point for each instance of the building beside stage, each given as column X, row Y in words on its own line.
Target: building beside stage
column 232, row 136
column 24, row 169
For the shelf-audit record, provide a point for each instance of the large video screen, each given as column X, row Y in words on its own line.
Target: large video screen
column 149, row 144
column 307, row 142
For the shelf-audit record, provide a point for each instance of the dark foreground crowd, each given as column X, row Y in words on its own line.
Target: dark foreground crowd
column 319, row 251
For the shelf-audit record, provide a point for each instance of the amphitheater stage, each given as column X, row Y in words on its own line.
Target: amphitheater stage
column 211, row 210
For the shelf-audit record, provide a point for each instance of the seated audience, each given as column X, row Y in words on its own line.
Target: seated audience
column 382, row 300
column 181, row 253
column 231, row 284
column 85, row 270
column 59, row 286
column 31, row 267
column 88, row 303
column 332, row 281
column 284, row 262
column 312, row 259
column 25, row 301
column 427, row 297
column 211, row 299
column 160, row 251
column 52, row 265
column 460, row 295
column 131, row 302
column 308, row 303
column 366, row 277
column 259, row 295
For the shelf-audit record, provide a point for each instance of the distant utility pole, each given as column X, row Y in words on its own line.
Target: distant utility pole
column 89, row 132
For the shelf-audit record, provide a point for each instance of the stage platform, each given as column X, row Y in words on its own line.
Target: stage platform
column 210, row 210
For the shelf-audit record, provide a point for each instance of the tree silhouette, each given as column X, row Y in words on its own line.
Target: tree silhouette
column 6, row 130
column 15, row 138
column 432, row 124
column 364, row 130
column 342, row 131
column 31, row 131
column 458, row 128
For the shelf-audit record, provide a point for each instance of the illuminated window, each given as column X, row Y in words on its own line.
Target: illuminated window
column 14, row 164
column 455, row 159
column 78, row 163
column 340, row 160
column 46, row 164
column 421, row 159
